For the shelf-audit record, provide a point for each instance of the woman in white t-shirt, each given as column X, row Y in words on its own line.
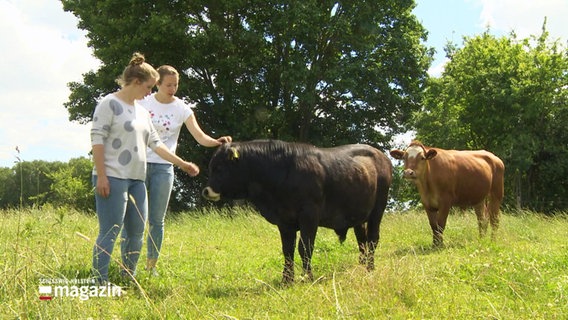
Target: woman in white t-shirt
column 169, row 114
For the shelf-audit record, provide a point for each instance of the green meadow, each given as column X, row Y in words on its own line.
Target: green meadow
column 226, row 264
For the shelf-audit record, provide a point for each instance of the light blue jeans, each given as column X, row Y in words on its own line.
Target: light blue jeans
column 159, row 181
column 126, row 206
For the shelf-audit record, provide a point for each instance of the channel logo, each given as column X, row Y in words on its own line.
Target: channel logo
column 81, row 292
column 45, row 293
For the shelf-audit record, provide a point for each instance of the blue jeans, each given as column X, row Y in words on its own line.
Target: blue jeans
column 125, row 206
column 160, row 181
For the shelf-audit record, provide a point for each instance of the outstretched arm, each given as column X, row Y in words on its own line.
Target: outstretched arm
column 201, row 137
column 191, row 168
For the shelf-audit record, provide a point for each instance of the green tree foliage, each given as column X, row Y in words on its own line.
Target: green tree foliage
column 26, row 184
column 72, row 185
column 324, row 72
column 7, row 183
column 508, row 96
column 402, row 193
column 38, row 182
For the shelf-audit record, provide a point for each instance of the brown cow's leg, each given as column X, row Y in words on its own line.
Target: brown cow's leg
column 437, row 232
column 443, row 212
column 493, row 208
column 482, row 219
column 496, row 197
column 288, row 237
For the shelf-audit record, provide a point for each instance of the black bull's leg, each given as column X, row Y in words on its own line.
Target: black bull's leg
column 305, row 249
column 366, row 247
column 288, row 237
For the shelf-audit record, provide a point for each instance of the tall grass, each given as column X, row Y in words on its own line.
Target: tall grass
column 227, row 265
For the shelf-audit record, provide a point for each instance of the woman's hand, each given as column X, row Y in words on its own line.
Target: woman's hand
column 225, row 139
column 190, row 168
column 103, row 186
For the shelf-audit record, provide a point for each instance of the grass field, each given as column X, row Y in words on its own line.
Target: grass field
column 227, row 265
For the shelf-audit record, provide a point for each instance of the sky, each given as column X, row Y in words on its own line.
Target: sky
column 42, row 50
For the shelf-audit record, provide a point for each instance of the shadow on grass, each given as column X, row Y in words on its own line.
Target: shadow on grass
column 260, row 287
column 422, row 249
column 222, row 292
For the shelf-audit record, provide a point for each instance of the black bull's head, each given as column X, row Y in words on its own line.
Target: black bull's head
column 222, row 172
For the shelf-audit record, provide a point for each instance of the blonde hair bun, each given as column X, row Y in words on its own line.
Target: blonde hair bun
column 137, row 69
column 137, row 59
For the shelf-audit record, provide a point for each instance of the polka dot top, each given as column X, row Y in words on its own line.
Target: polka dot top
column 125, row 131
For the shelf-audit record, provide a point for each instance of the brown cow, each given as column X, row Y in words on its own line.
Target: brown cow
column 447, row 178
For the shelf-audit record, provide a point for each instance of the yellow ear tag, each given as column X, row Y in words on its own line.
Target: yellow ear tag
column 234, row 154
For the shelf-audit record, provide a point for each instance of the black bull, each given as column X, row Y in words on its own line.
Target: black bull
column 299, row 187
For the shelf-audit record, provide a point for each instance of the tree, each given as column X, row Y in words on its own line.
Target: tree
column 72, row 185
column 323, row 72
column 36, row 183
column 27, row 183
column 508, row 96
column 6, row 184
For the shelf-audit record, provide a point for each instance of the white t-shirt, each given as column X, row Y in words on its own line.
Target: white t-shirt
column 125, row 131
column 168, row 119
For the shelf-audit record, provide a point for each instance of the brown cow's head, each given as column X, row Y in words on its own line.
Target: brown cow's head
column 414, row 158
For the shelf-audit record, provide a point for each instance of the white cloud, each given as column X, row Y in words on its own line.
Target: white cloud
column 437, row 69
column 525, row 17
column 42, row 50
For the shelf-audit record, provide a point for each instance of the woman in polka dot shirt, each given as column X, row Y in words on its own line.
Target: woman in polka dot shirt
column 121, row 131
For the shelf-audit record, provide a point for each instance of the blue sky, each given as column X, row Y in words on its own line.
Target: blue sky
column 42, row 50
column 451, row 20
column 447, row 21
